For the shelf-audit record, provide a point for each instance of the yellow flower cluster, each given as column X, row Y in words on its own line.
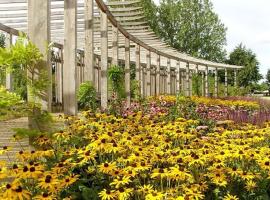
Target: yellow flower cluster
column 141, row 158
column 229, row 103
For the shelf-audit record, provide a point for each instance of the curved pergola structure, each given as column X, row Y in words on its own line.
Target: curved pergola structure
column 88, row 36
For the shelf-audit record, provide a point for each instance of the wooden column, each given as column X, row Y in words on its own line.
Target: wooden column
column 158, row 75
column 138, row 68
column 115, row 45
column 148, row 73
column 9, row 85
column 226, row 82
column 177, row 77
column 39, row 34
column 235, row 77
column 104, row 60
column 183, row 80
column 187, row 80
column 169, row 84
column 197, row 69
column 216, row 82
column 61, row 81
column 190, row 82
column 206, row 85
column 70, row 60
column 127, row 70
column 89, row 71
column 203, row 83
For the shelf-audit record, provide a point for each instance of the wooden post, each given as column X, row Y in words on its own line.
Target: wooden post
column 39, row 34
column 104, row 60
column 187, row 80
column 203, row 84
column 206, row 82
column 138, row 68
column 148, row 73
column 127, row 70
column 114, row 45
column 169, row 84
column 216, row 82
column 158, row 75
column 177, row 73
column 89, row 68
column 70, row 53
column 9, row 85
column 183, row 80
column 235, row 77
column 61, row 77
column 190, row 82
column 226, row 82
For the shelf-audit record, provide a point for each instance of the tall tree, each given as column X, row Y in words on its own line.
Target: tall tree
column 245, row 57
column 190, row 26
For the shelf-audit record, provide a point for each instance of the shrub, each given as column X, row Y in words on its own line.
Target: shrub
column 87, row 96
column 117, row 80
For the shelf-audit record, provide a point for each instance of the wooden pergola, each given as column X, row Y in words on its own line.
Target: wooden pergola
column 89, row 36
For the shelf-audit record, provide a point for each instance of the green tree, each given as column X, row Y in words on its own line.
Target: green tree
column 191, row 26
column 250, row 74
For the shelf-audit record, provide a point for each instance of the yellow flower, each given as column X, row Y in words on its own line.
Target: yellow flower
column 230, row 197
column 120, row 181
column 250, row 186
column 107, row 194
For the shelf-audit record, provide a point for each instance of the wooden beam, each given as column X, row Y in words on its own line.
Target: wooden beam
column 89, row 74
column 70, row 53
column 39, row 34
column 104, row 60
column 127, row 71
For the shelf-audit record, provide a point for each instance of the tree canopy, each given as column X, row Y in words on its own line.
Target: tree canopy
column 245, row 57
column 191, row 26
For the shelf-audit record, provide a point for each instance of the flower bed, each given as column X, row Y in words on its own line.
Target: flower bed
column 139, row 157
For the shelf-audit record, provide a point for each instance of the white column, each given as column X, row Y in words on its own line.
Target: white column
column 70, row 54
column 206, row 82
column 235, row 77
column 187, row 80
column 216, row 82
column 115, row 45
column 104, row 60
column 39, row 34
column 127, row 70
column 89, row 69
column 158, row 75
column 169, row 76
column 177, row 73
column 138, row 68
column 226, row 82
column 148, row 73
column 9, row 84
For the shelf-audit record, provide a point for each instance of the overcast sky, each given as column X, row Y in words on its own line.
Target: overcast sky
column 248, row 21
